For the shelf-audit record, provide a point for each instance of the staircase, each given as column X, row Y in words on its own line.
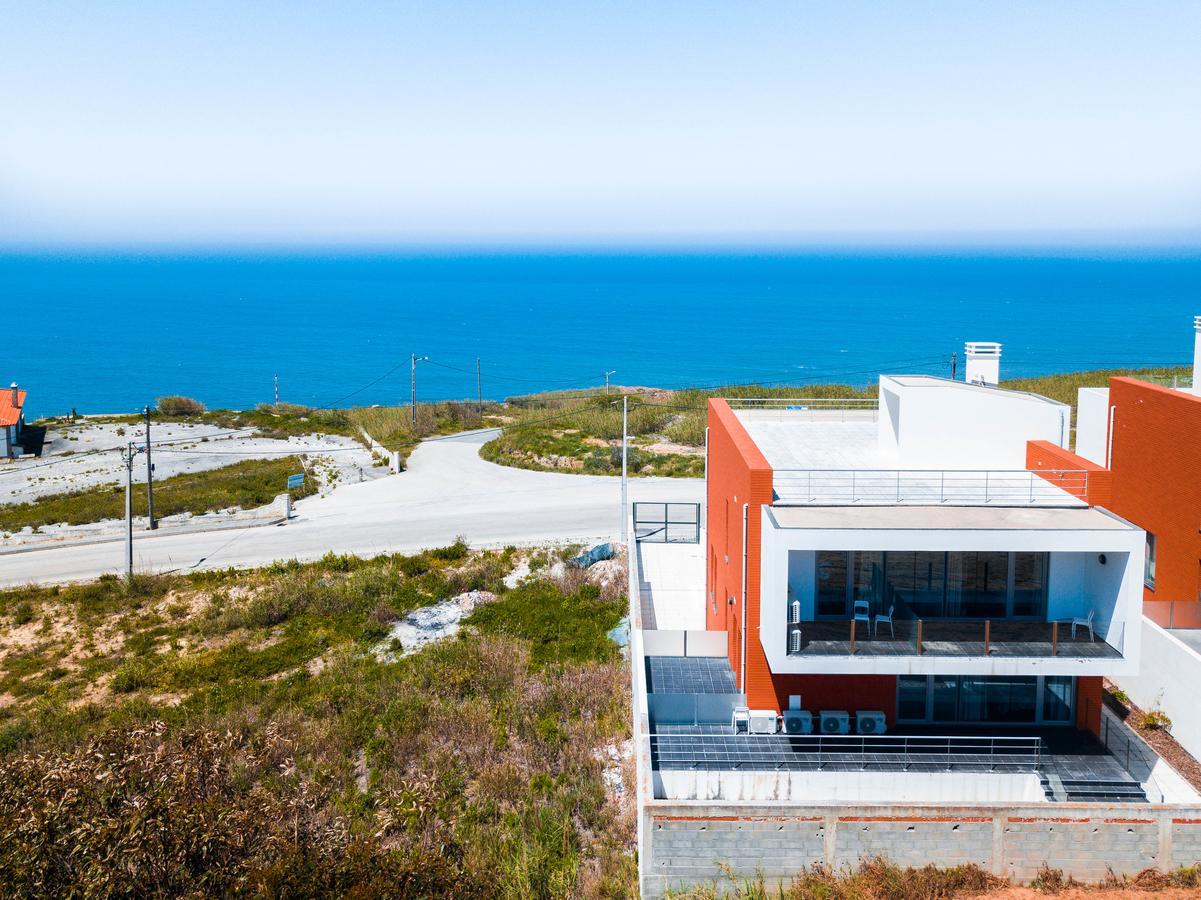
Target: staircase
column 1079, row 790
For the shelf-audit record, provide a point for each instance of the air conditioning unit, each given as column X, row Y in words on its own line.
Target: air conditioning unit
column 798, row 721
column 835, row 721
column 870, row 722
column 794, row 612
column 764, row 721
column 794, row 641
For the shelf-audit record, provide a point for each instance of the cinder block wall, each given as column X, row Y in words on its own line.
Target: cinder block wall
column 696, row 844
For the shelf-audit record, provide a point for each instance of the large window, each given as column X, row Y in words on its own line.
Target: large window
column 979, row 699
column 926, row 585
column 831, row 590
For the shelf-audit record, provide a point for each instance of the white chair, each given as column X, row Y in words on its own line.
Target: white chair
column 1086, row 622
column 885, row 617
column 863, row 613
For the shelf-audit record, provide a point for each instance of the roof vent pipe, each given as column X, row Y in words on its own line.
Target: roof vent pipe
column 983, row 362
column 1196, row 353
column 13, row 388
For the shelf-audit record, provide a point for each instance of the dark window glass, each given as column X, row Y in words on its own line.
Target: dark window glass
column 868, row 578
column 832, row 583
column 946, row 697
column 1057, row 698
column 911, row 697
column 977, row 584
column 915, row 583
column 1030, row 584
column 998, row 699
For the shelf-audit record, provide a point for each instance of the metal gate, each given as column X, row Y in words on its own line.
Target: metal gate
column 667, row 523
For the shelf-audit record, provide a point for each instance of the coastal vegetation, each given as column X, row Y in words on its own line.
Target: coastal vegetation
column 258, row 733
column 246, row 484
column 1063, row 387
column 581, row 432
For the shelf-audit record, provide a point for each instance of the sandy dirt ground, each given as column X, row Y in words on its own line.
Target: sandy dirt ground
column 86, row 455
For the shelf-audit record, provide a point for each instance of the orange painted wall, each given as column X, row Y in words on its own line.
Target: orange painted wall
column 1088, row 703
column 1097, row 491
column 849, row 692
column 738, row 474
column 1156, row 464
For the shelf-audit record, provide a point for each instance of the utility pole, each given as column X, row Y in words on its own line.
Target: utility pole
column 607, row 374
column 149, row 476
column 479, row 385
column 130, row 453
column 413, row 388
column 277, row 390
column 625, row 453
column 954, row 360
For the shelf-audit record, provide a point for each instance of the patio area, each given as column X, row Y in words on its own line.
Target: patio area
column 951, row 638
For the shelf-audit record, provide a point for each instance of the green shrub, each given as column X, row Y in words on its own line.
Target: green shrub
column 183, row 407
column 132, row 675
column 23, row 614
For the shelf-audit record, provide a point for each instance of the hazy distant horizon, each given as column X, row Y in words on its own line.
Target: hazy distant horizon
column 531, row 122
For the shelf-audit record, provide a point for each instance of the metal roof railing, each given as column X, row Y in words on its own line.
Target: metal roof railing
column 931, row 487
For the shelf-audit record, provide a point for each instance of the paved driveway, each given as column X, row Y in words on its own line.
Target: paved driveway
column 447, row 491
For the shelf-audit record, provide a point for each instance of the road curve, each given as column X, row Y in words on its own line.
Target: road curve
column 447, row 491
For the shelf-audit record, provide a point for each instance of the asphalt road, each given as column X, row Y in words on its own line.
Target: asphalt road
column 447, row 491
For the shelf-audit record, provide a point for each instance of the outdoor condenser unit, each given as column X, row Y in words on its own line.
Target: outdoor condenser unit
column 870, row 722
column 794, row 612
column 798, row 721
column 835, row 721
column 764, row 721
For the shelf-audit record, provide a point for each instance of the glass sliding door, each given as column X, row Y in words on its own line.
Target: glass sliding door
column 832, row 566
column 1057, row 698
column 916, row 582
column 977, row 585
column 912, row 691
column 868, row 584
column 986, row 700
column 1029, row 585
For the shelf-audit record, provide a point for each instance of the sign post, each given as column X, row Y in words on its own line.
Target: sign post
column 294, row 481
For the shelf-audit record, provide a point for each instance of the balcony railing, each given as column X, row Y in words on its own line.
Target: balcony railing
column 930, row 487
column 941, row 637
column 893, row 753
column 827, row 409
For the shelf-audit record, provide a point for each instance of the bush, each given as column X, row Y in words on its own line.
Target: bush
column 23, row 614
column 1156, row 720
column 180, row 406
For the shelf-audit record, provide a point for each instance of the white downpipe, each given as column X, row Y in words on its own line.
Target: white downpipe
column 742, row 621
column 1109, row 439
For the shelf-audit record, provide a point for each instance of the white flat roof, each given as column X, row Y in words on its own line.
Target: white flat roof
column 948, row 518
column 794, row 440
column 919, row 381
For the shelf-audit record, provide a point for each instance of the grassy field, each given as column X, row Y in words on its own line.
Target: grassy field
column 270, row 748
column 248, row 484
column 392, row 426
column 581, row 432
column 1064, row 387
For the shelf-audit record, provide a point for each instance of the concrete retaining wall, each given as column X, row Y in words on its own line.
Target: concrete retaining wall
column 1168, row 680
column 687, row 844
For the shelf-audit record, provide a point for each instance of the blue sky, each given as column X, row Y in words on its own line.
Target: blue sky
column 614, row 122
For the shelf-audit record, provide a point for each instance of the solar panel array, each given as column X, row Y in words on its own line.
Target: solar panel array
column 689, row 675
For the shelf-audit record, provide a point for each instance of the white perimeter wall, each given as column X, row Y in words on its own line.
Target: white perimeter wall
column 848, row 788
column 1092, row 424
column 945, row 425
column 1170, row 680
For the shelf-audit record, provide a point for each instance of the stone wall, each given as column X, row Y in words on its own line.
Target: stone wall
column 697, row 843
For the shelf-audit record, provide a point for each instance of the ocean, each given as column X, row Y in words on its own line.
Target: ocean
column 111, row 332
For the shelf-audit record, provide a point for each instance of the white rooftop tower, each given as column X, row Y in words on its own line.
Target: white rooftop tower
column 983, row 362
